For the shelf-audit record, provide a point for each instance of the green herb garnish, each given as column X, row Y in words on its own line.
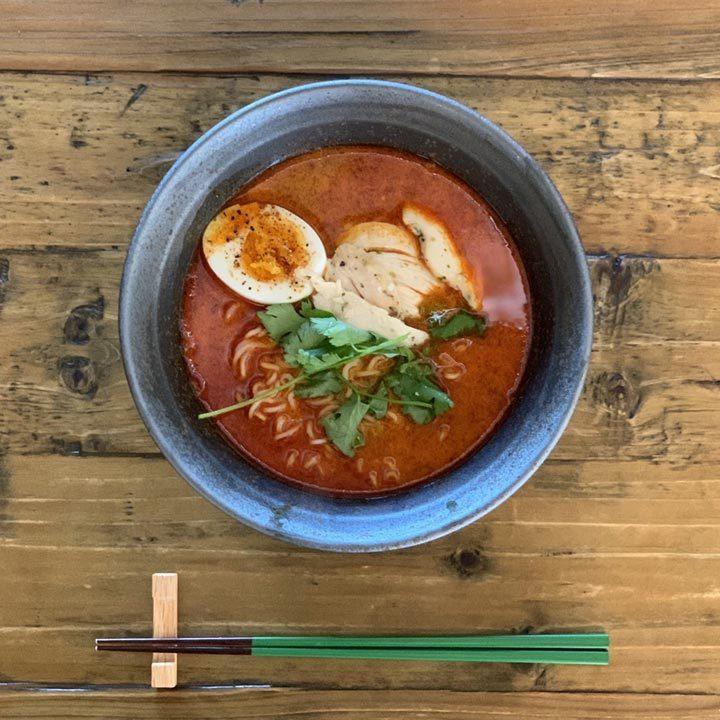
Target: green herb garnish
column 329, row 382
column 447, row 324
column 338, row 332
column 306, row 337
column 308, row 310
column 280, row 319
column 378, row 402
column 249, row 401
column 319, row 345
column 413, row 383
column 342, row 425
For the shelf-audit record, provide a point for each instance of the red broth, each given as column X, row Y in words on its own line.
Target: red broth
column 333, row 189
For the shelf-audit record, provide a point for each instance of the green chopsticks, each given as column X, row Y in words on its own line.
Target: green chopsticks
column 486, row 655
column 550, row 649
column 580, row 641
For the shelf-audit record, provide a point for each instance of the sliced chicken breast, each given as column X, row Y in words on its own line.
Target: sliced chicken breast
column 380, row 237
column 354, row 310
column 381, row 263
column 440, row 253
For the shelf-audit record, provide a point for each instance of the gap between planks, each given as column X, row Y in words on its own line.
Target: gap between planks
column 313, row 75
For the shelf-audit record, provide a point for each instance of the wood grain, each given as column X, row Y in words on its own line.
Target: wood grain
column 637, row 162
column 651, row 391
column 290, row 703
column 619, row 530
column 621, row 38
column 164, row 666
column 631, row 547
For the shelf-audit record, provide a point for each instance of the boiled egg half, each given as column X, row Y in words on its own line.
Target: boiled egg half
column 264, row 252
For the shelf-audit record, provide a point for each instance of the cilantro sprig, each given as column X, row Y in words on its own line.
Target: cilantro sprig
column 448, row 324
column 319, row 344
column 280, row 320
column 413, row 383
column 342, row 426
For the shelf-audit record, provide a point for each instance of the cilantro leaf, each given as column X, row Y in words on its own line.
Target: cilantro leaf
column 309, row 337
column 419, row 415
column 455, row 323
column 319, row 344
column 306, row 337
column 413, row 382
column 378, row 402
column 316, row 360
column 280, row 320
column 342, row 425
column 307, row 310
column 325, row 383
column 401, row 351
column 339, row 333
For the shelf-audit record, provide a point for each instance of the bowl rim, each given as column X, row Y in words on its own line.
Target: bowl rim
column 537, row 176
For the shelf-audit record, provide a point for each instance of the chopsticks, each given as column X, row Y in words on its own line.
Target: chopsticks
column 552, row 649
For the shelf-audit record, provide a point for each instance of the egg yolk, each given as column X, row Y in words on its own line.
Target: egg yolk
column 273, row 247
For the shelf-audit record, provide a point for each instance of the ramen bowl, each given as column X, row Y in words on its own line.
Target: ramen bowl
column 355, row 112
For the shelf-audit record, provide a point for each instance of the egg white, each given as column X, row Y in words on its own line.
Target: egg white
column 221, row 253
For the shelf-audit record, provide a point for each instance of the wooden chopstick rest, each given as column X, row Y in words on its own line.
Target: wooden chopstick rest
column 163, row 671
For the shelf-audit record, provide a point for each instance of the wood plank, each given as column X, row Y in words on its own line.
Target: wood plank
column 651, row 392
column 239, row 589
column 519, row 37
column 639, row 506
column 630, row 547
column 618, row 530
column 70, row 661
column 290, row 703
column 647, row 528
column 636, row 161
column 331, row 16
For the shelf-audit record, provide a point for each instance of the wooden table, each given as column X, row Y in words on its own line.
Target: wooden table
column 620, row 102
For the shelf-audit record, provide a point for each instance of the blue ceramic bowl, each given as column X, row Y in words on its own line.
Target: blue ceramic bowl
column 338, row 113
